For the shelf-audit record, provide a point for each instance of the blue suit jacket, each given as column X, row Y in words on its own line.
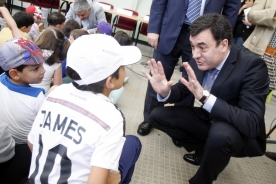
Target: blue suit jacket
column 167, row 18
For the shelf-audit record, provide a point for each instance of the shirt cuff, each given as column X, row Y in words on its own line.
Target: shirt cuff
column 209, row 103
column 161, row 99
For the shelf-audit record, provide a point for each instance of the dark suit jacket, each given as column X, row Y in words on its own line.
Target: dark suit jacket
column 241, row 88
column 167, row 18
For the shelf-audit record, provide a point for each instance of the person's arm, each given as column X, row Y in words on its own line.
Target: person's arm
column 10, row 22
column 57, row 77
column 70, row 13
column 100, row 17
column 263, row 17
column 30, row 146
column 98, row 175
column 155, row 21
column 103, row 176
column 248, row 116
column 231, row 11
column 242, row 8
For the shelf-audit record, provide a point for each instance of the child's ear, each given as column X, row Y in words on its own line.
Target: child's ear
column 23, row 28
column 109, row 83
column 14, row 74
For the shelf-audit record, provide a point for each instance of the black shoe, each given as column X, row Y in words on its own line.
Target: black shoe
column 144, row 128
column 176, row 143
column 271, row 155
column 194, row 158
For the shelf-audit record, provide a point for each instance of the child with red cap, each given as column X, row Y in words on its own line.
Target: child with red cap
column 36, row 12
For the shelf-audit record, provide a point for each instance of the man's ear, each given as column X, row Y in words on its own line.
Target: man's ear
column 224, row 44
column 109, row 83
column 14, row 74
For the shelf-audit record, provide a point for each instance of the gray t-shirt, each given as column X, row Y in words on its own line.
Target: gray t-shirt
column 7, row 143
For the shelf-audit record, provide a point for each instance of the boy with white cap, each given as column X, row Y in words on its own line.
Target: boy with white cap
column 79, row 123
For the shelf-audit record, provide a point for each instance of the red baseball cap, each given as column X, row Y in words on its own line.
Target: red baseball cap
column 34, row 10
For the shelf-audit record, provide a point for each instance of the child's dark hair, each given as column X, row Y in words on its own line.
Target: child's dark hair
column 53, row 39
column 123, row 38
column 95, row 87
column 19, row 68
column 69, row 26
column 76, row 33
column 2, row 3
column 243, row 2
column 55, row 18
column 23, row 19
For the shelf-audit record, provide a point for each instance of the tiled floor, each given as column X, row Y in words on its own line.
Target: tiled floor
column 161, row 162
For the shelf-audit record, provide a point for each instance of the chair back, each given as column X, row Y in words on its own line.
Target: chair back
column 126, row 22
column 47, row 3
column 108, row 16
column 111, row 6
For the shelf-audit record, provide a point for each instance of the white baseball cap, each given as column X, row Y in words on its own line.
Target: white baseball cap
column 97, row 56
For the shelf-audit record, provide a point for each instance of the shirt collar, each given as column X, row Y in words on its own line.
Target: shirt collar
column 222, row 63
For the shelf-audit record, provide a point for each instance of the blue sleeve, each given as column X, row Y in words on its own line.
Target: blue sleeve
column 63, row 65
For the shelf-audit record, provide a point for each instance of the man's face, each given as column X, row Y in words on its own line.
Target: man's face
column 206, row 52
column 83, row 14
column 32, row 74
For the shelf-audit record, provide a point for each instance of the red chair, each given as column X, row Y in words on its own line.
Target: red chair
column 108, row 15
column 143, row 29
column 126, row 23
column 47, row 4
column 22, row 1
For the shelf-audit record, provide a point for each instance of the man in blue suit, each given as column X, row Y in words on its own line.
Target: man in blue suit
column 168, row 33
column 232, row 84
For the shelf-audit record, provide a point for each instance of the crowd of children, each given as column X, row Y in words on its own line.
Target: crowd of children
column 41, row 118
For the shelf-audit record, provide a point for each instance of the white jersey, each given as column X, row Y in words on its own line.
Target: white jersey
column 73, row 131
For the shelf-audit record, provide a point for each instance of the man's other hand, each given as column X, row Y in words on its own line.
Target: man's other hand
column 153, row 39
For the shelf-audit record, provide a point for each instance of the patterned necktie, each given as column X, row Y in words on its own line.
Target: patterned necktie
column 193, row 10
column 211, row 78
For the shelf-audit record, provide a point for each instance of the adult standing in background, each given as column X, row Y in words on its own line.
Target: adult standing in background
column 168, row 33
column 263, row 39
column 87, row 14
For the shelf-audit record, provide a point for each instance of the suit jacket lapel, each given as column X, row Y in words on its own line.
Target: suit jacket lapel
column 206, row 2
column 226, row 69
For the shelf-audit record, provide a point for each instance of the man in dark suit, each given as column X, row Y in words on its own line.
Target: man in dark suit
column 168, row 33
column 231, row 83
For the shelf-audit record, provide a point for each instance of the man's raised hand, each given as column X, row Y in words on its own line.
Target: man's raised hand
column 157, row 78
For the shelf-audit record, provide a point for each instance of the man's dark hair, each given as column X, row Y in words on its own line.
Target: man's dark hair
column 95, row 87
column 23, row 19
column 216, row 23
column 55, row 18
column 19, row 68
